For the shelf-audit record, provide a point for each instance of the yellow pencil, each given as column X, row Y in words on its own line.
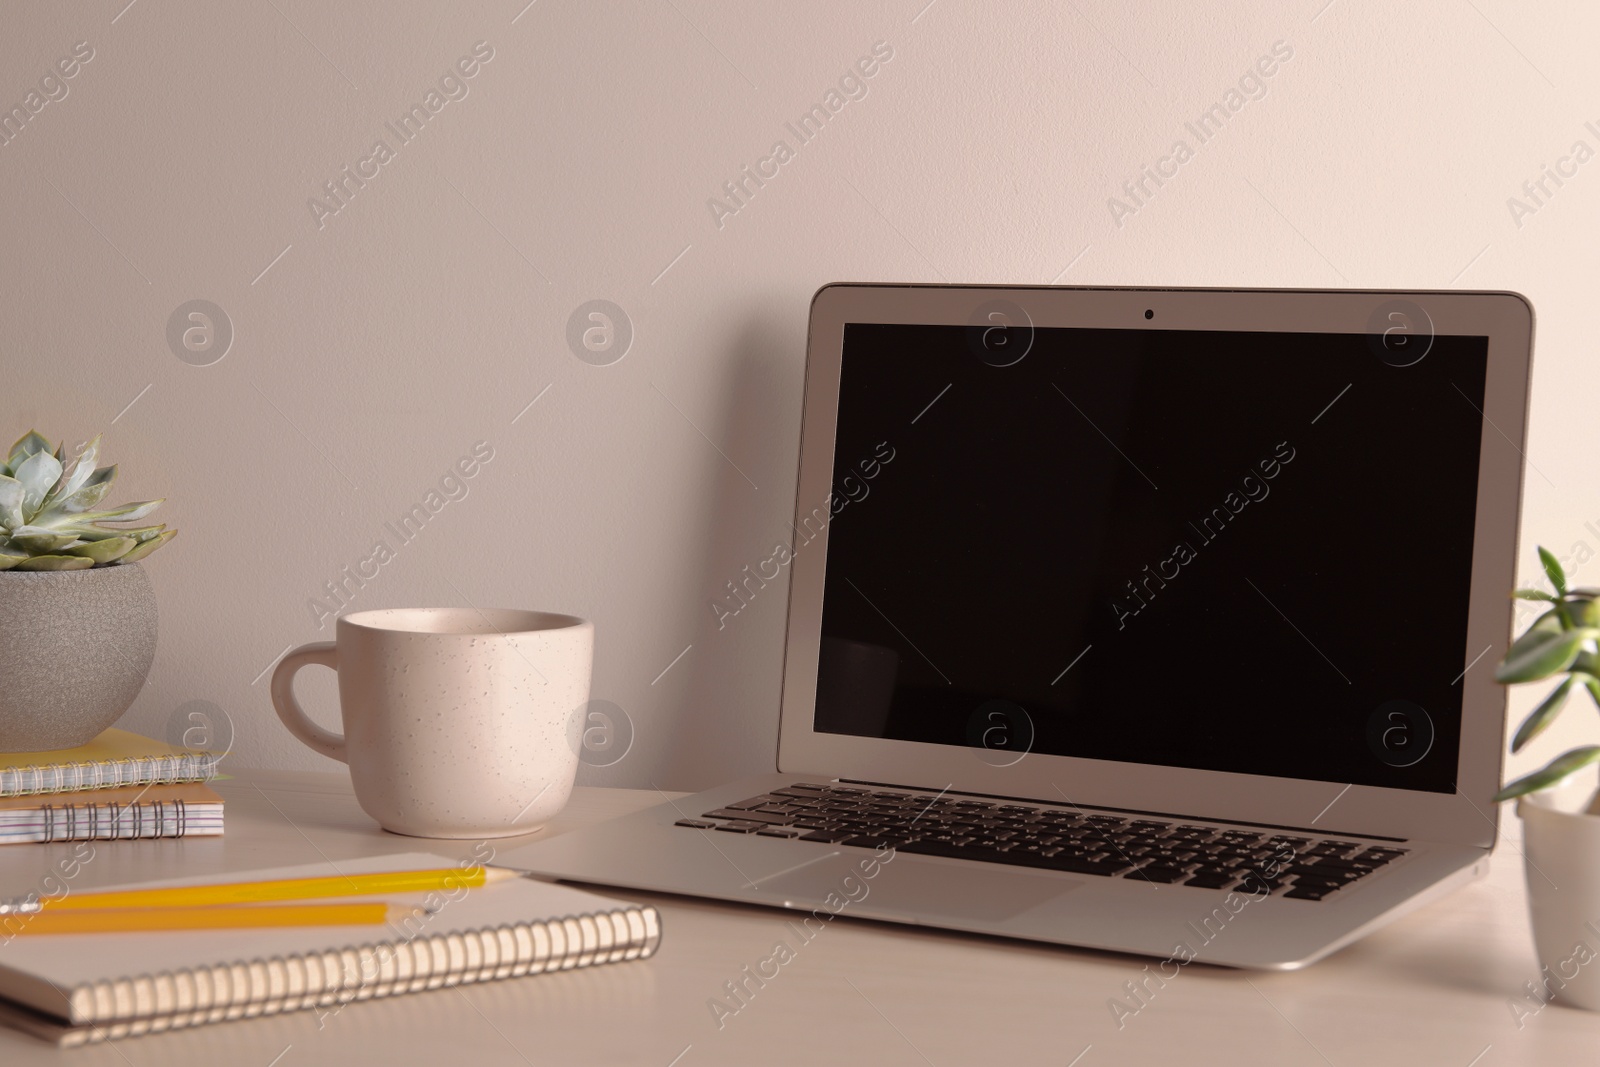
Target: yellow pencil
column 446, row 879
column 224, row 917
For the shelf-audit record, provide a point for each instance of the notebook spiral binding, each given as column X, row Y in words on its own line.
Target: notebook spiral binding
column 152, row 1003
column 169, row 769
column 167, row 818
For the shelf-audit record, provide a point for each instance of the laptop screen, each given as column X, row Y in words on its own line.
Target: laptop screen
column 1243, row 552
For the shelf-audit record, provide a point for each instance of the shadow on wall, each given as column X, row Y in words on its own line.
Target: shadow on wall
column 726, row 712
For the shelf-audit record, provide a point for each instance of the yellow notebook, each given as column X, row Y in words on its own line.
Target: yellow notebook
column 115, row 758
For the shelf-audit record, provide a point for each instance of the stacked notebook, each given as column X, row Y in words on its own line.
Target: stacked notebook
column 74, row 989
column 118, row 786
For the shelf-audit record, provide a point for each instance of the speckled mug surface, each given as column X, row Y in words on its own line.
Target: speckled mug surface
column 458, row 723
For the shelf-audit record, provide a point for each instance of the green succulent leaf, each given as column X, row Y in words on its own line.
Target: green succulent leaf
column 121, row 513
column 1553, row 571
column 37, row 541
column 1543, row 715
column 1533, row 594
column 1593, row 685
column 73, row 480
column 93, row 491
column 101, row 533
column 52, row 515
column 28, row 444
column 103, row 551
column 144, row 548
column 38, row 474
column 11, row 493
column 55, row 563
column 1562, row 767
column 1539, row 654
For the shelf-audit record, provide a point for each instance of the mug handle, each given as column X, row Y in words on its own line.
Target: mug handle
column 289, row 710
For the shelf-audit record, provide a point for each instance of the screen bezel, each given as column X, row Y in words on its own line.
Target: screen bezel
column 1466, row 817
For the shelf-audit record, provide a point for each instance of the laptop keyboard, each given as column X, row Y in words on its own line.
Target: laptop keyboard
column 1300, row 867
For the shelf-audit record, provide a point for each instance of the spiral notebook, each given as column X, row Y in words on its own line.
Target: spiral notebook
column 115, row 758
column 126, row 814
column 75, row 989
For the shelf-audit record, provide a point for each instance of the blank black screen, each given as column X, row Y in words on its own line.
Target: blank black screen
column 1226, row 551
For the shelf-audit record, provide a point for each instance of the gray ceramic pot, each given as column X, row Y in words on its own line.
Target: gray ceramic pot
column 76, row 650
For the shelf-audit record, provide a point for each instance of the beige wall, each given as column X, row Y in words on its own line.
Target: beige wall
column 376, row 345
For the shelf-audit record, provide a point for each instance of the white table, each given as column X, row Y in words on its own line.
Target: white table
column 1433, row 989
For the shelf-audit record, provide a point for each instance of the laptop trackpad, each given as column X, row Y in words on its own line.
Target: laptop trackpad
column 915, row 887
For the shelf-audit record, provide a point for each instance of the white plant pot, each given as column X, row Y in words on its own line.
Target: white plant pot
column 1561, row 846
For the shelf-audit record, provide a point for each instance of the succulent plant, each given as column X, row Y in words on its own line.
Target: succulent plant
column 48, row 516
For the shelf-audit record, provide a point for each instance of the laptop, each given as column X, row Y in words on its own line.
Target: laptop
column 1161, row 621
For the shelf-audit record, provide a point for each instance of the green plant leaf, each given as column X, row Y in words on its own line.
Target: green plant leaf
column 1539, row 654
column 38, row 474
column 1593, row 685
column 11, row 493
column 7, row 560
column 1563, row 766
column 110, row 549
column 71, row 481
column 1533, row 594
column 28, row 444
column 100, row 533
column 1553, row 571
column 37, row 541
column 93, row 491
column 1543, row 715
column 1582, row 611
column 55, row 563
column 144, row 548
column 121, row 513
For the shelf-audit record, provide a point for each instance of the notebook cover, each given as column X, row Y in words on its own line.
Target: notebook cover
column 188, row 792
column 112, row 759
column 87, row 980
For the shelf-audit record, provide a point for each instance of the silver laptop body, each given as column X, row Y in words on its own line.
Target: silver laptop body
column 974, row 648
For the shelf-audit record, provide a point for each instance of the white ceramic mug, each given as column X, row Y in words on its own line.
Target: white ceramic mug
column 457, row 722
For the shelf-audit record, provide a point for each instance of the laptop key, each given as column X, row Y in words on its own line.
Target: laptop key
column 1212, row 881
column 829, row 837
column 748, row 816
column 694, row 824
column 1162, row 874
column 778, row 831
column 1325, row 874
column 868, row 841
column 742, row 827
column 754, row 802
column 1297, row 893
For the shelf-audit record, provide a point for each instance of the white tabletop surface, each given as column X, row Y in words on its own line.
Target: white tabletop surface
column 1436, row 988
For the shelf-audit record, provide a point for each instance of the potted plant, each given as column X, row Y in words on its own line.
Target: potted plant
column 1561, row 848
column 80, row 613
